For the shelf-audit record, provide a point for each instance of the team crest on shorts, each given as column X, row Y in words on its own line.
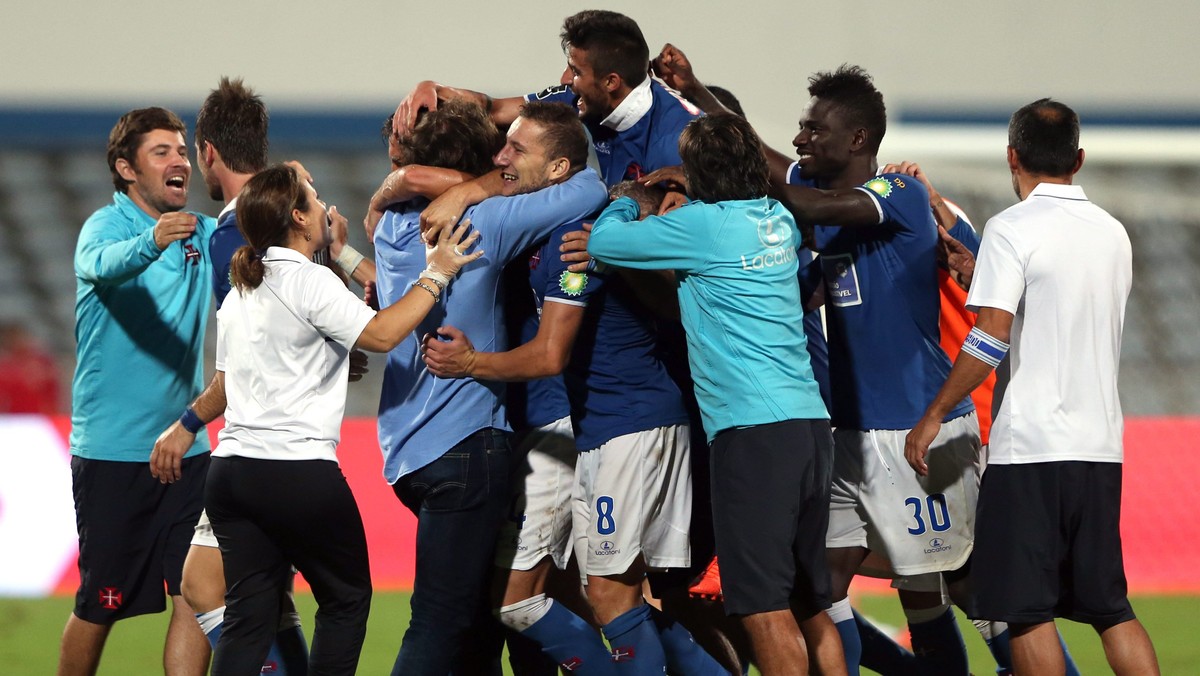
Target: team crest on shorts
column 572, row 283
column 111, row 598
column 880, row 186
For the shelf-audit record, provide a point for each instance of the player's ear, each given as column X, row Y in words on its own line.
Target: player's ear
column 125, row 169
column 859, row 140
column 612, row 83
column 1014, row 162
column 558, row 168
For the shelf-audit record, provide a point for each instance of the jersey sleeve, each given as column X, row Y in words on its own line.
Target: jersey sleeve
column 510, row 225
column 562, row 285
column 554, row 94
column 107, row 253
column 999, row 279
column 902, row 200
column 332, row 308
column 675, row 241
column 964, row 233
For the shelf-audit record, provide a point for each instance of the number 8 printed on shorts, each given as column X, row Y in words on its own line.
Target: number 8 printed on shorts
column 939, row 514
column 605, row 524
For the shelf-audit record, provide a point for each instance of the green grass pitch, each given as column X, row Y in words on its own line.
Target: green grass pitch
column 30, row 631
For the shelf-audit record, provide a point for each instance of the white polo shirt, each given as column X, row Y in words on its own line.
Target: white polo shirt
column 1063, row 267
column 284, row 348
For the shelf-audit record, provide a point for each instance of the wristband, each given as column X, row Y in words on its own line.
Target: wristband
column 439, row 278
column 423, row 285
column 985, row 348
column 190, row 421
column 349, row 259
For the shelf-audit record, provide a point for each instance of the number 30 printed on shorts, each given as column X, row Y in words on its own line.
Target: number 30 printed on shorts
column 932, row 508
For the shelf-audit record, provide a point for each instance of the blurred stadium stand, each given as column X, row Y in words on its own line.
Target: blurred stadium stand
column 53, row 175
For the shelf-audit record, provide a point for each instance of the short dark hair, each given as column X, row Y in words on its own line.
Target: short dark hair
column 562, row 132
column 234, row 119
column 126, row 136
column 457, row 135
column 614, row 43
column 386, row 131
column 723, row 159
column 1045, row 136
column 264, row 217
column 851, row 90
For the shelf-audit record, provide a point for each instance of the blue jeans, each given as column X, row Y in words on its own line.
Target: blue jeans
column 460, row 500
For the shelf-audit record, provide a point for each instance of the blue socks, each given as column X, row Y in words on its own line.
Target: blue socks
column 880, row 653
column 562, row 634
column 684, row 655
column 938, row 644
column 289, row 651
column 843, row 620
column 636, row 648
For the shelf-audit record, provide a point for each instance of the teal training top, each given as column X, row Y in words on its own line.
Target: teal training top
column 140, row 315
column 735, row 263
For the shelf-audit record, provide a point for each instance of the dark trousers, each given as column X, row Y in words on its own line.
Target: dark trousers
column 269, row 515
column 460, row 500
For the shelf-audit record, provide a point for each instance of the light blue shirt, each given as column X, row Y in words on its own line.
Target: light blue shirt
column 735, row 264
column 140, row 315
column 420, row 416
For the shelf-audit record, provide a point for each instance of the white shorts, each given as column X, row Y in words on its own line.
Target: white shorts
column 539, row 517
column 920, row 524
column 204, row 536
column 634, row 496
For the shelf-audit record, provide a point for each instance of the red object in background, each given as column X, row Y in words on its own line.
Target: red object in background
column 29, row 376
column 1160, row 523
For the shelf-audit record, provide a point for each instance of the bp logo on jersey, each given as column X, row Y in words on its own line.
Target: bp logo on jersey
column 880, row 186
column 772, row 232
column 572, row 283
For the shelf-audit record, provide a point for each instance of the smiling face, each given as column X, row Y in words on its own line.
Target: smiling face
column 523, row 162
column 159, row 172
column 593, row 102
column 825, row 141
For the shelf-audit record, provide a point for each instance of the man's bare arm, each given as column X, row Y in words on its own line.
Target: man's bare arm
column 166, row 460
column 968, row 373
column 545, row 355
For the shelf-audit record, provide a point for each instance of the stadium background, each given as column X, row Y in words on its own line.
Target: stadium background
column 950, row 73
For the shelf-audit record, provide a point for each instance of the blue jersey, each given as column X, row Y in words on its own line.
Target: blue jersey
column 420, row 416
column 647, row 137
column 615, row 381
column 537, row 402
column 739, row 299
column 882, row 310
column 226, row 239
column 140, row 315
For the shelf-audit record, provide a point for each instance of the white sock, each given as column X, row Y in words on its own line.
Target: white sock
column 524, row 614
column 840, row 611
column 211, row 620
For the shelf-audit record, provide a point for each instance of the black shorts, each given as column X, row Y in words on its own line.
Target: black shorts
column 770, row 495
column 1048, row 544
column 134, row 534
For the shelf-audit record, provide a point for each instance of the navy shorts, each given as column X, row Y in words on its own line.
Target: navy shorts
column 1048, row 544
column 134, row 534
column 770, row 498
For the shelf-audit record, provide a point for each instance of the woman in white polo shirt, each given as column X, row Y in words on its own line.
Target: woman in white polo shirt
column 275, row 494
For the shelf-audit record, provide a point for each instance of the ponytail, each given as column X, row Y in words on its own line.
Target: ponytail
column 246, row 269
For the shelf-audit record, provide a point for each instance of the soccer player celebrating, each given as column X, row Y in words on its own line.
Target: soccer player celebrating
column 733, row 251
